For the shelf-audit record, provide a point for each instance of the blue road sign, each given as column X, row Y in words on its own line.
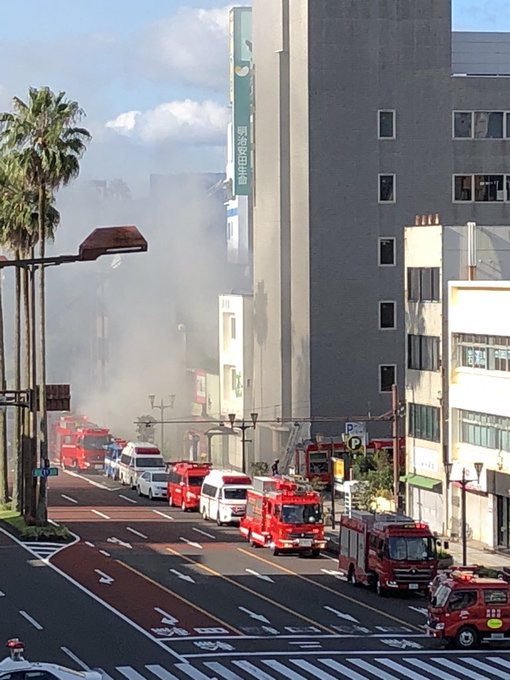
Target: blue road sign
column 45, row 472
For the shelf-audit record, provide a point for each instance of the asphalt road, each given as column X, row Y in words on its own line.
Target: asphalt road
column 198, row 602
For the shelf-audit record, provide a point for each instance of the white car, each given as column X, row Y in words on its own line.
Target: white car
column 152, row 484
column 16, row 663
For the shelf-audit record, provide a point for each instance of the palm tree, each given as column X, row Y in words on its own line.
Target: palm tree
column 43, row 137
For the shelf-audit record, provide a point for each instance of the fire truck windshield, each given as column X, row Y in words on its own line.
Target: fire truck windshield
column 301, row 514
column 96, row 441
column 441, row 596
column 195, row 480
column 411, row 548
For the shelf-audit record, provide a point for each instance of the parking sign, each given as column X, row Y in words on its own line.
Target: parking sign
column 355, row 428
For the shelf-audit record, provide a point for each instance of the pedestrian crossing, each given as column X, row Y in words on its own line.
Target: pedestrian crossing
column 455, row 666
column 43, row 550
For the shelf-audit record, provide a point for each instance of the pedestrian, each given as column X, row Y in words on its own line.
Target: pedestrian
column 274, row 467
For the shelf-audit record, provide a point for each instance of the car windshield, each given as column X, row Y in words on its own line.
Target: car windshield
column 96, row 441
column 411, row 548
column 195, row 480
column 234, row 494
column 301, row 513
column 442, row 595
column 159, row 477
column 149, row 462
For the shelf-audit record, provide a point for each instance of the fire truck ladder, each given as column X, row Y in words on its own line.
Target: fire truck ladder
column 297, row 433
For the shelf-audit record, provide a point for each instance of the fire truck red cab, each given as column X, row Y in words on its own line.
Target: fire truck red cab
column 85, row 449
column 467, row 609
column 185, row 480
column 283, row 515
column 387, row 550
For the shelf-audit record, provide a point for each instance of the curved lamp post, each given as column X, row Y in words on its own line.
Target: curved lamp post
column 463, row 481
column 243, row 426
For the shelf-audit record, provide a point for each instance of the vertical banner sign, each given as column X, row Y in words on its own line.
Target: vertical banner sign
column 241, row 93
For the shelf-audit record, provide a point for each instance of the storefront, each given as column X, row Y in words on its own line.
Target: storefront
column 499, row 485
column 425, row 500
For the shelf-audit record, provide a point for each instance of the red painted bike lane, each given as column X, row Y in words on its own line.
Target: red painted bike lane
column 156, row 609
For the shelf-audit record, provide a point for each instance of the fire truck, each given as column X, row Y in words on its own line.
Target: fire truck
column 311, row 458
column 61, row 429
column 467, row 609
column 85, row 448
column 284, row 515
column 387, row 550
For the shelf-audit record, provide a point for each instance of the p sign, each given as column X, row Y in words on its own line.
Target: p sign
column 354, row 443
column 355, row 428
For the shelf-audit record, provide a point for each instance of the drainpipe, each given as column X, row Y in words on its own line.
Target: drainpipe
column 471, row 251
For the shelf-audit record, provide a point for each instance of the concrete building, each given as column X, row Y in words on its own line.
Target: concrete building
column 434, row 255
column 479, row 408
column 361, row 121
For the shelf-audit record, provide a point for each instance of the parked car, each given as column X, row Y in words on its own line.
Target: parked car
column 152, row 484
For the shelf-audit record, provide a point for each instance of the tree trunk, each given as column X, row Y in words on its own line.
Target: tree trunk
column 26, row 447
column 17, row 441
column 42, row 506
column 4, row 463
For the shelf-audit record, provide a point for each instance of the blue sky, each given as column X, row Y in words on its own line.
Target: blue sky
column 151, row 74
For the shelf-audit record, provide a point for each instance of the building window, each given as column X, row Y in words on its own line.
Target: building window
column 423, row 352
column 387, row 377
column 233, row 328
column 387, row 252
column 483, row 429
column 386, row 188
column 481, row 125
column 387, row 315
column 423, row 422
column 386, row 124
column 485, row 352
column 463, row 188
column 481, row 188
column 423, row 284
column 462, row 124
column 233, row 379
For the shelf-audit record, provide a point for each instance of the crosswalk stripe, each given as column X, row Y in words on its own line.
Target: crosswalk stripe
column 161, row 672
column 400, row 669
column 461, row 669
column 220, row 669
column 253, row 670
column 438, row 673
column 284, row 670
column 314, row 670
column 478, row 664
column 130, row 673
column 104, row 674
column 340, row 668
column 499, row 661
column 191, row 671
column 361, row 663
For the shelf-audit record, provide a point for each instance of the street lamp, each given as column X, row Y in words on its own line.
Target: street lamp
column 102, row 241
column 463, row 481
column 243, row 426
column 162, row 408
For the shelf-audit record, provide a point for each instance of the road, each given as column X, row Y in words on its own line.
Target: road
column 179, row 597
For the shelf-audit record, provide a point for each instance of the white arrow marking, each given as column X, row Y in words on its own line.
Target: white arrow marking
column 252, row 615
column 341, row 615
column 336, row 574
column 100, row 514
column 420, row 610
column 104, row 577
column 138, row 533
column 192, row 543
column 167, row 618
column 204, row 533
column 262, row 576
column 119, row 542
column 184, row 577
column 2, row 594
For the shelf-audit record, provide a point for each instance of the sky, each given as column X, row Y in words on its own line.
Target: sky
column 151, row 75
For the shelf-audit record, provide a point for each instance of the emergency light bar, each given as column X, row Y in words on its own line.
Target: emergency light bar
column 463, row 575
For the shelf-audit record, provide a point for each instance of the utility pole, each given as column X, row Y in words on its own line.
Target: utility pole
column 396, row 448
column 162, row 408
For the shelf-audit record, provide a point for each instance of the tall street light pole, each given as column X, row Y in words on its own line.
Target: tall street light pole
column 243, row 426
column 463, row 481
column 162, row 408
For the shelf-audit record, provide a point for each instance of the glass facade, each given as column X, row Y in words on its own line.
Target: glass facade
column 487, row 352
column 424, row 422
column 483, row 429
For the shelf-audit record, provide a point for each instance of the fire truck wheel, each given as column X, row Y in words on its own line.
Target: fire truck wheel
column 467, row 638
column 183, row 507
column 379, row 589
column 275, row 550
column 316, row 552
column 351, row 576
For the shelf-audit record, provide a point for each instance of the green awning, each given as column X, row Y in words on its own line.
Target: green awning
column 421, row 481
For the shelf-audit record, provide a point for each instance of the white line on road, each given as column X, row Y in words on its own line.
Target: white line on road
column 264, row 577
column 138, row 533
column 103, row 552
column 68, row 498
column 101, row 514
column 252, row 615
column 91, row 481
column 163, row 514
column 130, row 673
column 184, row 577
column 161, row 672
column 2, row 594
column 131, row 500
column 91, row 545
column 30, row 619
column 201, row 531
column 75, row 658
column 104, row 578
column 192, row 543
column 167, row 618
column 341, row 615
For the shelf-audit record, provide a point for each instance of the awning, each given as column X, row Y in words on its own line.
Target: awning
column 421, row 481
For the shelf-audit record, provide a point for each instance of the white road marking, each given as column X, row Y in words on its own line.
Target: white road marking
column 184, row 577
column 104, row 577
column 335, row 573
column 2, row 594
column 253, row 670
column 68, row 498
column 283, row 670
column 131, row 500
column 91, row 545
column 425, row 666
column 113, row 539
column 129, row 673
column 264, row 577
column 420, row 610
column 220, row 669
column 193, row 672
column 167, row 618
column 75, row 658
column 103, row 552
column 30, row 619
column 394, row 666
column 161, row 672
column 100, row 514
column 252, row 615
column 351, row 673
column 91, row 481
column 201, row 531
column 334, row 559
column 192, row 543
column 163, row 514
column 138, row 533
column 341, row 615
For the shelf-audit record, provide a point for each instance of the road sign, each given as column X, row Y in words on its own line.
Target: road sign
column 45, row 472
column 338, row 470
column 354, row 443
column 355, row 428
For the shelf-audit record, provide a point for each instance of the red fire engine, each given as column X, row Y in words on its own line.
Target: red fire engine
column 387, row 550
column 311, row 458
column 283, row 515
column 81, row 445
column 61, row 428
column 467, row 609
column 185, row 480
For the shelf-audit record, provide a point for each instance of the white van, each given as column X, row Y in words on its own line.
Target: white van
column 223, row 496
column 137, row 457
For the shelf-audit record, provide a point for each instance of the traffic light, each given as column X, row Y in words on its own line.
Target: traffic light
column 145, row 428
